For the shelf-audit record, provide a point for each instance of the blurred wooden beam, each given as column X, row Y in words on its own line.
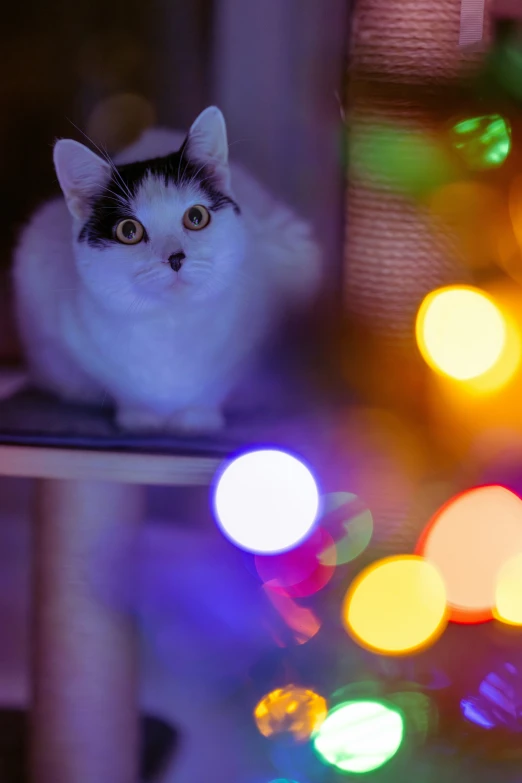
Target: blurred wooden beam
column 471, row 22
column 85, row 654
column 121, row 467
column 279, row 67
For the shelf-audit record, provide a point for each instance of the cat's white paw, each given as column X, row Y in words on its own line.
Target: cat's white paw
column 139, row 420
column 196, row 421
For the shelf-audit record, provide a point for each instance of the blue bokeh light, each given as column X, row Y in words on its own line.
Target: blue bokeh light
column 474, row 714
column 498, row 702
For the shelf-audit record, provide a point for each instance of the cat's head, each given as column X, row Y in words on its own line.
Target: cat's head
column 156, row 230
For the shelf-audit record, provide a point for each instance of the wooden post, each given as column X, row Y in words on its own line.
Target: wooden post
column 85, row 715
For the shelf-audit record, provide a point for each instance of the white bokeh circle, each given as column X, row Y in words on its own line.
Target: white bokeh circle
column 266, row 501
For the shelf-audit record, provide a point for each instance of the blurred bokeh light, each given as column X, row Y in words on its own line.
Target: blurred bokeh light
column 483, row 142
column 301, row 621
column 350, row 523
column 476, row 214
column 296, row 761
column 290, row 710
column 460, row 332
column 498, row 702
column 515, row 213
column 360, row 736
column 396, row 605
column 418, row 709
column 508, row 591
column 506, row 66
column 506, row 366
column 266, row 501
column 472, row 712
column 120, row 120
column 304, row 570
column 420, row 712
column 469, row 540
column 462, row 413
column 405, row 159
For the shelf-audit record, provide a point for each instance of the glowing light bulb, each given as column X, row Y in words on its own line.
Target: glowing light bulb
column 469, row 540
column 266, row 501
column 508, row 592
column 396, row 606
column 360, row 736
column 460, row 332
column 293, row 710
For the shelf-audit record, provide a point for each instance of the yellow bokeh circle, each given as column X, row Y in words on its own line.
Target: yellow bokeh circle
column 292, row 709
column 508, row 592
column 396, row 606
column 460, row 332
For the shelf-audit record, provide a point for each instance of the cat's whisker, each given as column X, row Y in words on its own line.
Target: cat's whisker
column 181, row 154
column 195, row 175
column 110, row 194
column 104, row 152
column 240, row 141
column 119, row 201
column 119, row 178
column 107, row 157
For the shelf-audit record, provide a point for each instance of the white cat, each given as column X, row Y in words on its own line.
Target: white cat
column 157, row 279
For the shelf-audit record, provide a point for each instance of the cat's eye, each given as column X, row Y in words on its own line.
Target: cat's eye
column 196, row 218
column 130, row 232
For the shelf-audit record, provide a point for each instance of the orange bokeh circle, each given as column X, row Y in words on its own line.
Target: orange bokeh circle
column 469, row 539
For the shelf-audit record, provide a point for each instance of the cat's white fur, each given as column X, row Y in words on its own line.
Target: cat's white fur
column 116, row 322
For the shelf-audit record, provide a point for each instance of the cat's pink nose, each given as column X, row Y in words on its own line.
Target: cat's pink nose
column 176, row 260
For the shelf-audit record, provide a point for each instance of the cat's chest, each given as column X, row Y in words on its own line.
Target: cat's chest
column 171, row 356
column 171, row 350
column 164, row 345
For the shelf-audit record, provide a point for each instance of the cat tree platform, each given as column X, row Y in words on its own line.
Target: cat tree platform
column 90, row 498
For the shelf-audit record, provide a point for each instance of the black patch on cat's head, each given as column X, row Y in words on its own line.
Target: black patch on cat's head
column 112, row 205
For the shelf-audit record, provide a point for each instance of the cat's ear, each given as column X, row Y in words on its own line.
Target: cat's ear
column 81, row 173
column 207, row 142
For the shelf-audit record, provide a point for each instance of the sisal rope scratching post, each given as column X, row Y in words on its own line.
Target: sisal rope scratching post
column 85, row 667
column 394, row 253
column 394, row 256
